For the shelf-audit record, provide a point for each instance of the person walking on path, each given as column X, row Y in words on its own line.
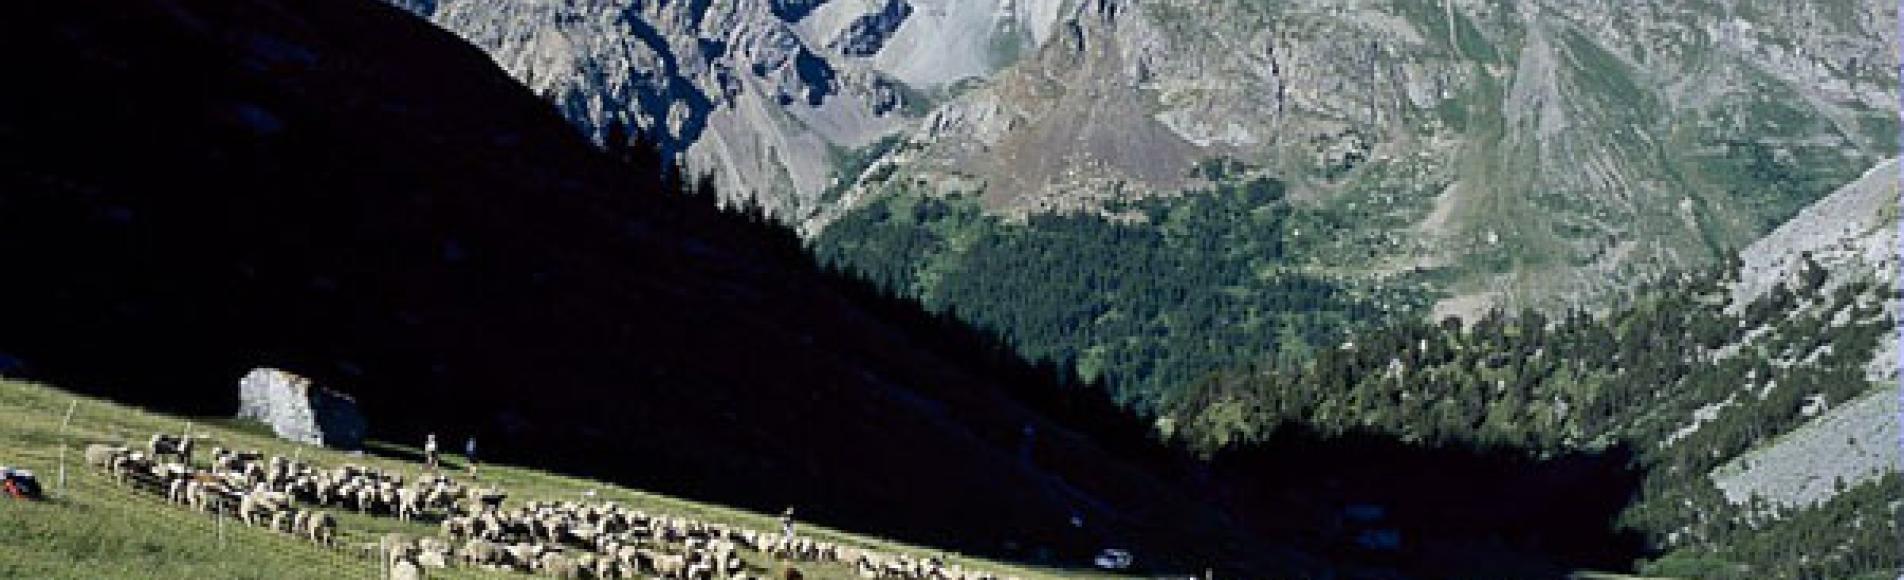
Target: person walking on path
column 469, row 453
column 786, row 523
column 429, row 452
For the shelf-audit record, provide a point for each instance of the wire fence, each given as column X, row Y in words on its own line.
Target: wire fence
column 215, row 538
column 142, row 498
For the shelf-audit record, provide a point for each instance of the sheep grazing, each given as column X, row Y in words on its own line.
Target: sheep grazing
column 428, row 559
column 258, row 506
column 177, row 492
column 487, row 499
column 604, row 567
column 409, row 504
column 481, row 553
column 559, row 565
column 321, row 529
column 405, row 569
column 522, row 556
column 225, row 460
column 562, row 539
column 700, row 571
column 456, row 527
column 101, row 455
column 670, row 566
column 162, row 446
column 205, row 496
column 284, row 521
column 398, row 551
column 126, row 466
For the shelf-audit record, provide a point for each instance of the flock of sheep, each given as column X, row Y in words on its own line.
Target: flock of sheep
column 237, row 483
column 565, row 539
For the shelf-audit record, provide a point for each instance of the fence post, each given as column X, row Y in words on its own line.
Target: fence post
column 61, row 488
column 221, row 522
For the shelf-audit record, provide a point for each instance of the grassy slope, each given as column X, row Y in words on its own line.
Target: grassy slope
column 100, row 530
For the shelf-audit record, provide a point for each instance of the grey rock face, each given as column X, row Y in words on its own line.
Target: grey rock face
column 298, row 411
column 1845, row 447
column 869, row 32
column 767, row 95
column 1582, row 141
column 1852, row 235
column 1585, row 142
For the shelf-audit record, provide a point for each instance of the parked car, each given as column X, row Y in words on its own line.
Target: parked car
column 19, row 483
column 1114, row 559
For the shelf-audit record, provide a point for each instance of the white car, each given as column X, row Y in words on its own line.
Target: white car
column 1113, row 559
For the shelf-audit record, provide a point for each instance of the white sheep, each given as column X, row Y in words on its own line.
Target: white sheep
column 284, row 520
column 102, row 455
column 482, row 553
column 178, row 491
column 559, row 565
column 405, row 569
column 409, row 503
column 259, row 505
column 321, row 528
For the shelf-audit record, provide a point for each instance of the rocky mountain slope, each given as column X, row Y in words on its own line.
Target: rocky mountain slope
column 1850, row 236
column 1760, row 398
column 1458, row 153
column 1533, row 151
column 341, row 190
column 771, row 97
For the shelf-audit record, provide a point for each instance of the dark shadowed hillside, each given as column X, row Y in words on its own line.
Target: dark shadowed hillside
column 339, row 189
column 195, row 188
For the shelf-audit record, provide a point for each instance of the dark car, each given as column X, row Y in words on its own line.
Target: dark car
column 19, row 483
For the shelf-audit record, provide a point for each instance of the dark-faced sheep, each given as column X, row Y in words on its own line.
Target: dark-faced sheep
column 284, row 520
column 321, row 528
column 163, row 445
column 456, row 527
column 523, row 556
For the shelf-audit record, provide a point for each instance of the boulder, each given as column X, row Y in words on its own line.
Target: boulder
column 299, row 411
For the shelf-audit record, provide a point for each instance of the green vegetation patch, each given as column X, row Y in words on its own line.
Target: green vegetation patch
column 1201, row 282
column 1634, row 378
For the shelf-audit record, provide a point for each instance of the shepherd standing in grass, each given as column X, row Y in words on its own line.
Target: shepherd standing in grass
column 469, row 453
column 786, row 523
column 429, row 451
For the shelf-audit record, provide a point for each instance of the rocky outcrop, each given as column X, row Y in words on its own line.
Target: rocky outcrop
column 1851, row 235
column 1848, row 446
column 768, row 96
column 869, row 32
column 298, row 411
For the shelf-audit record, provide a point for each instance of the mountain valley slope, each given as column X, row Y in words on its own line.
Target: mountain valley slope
column 342, row 190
